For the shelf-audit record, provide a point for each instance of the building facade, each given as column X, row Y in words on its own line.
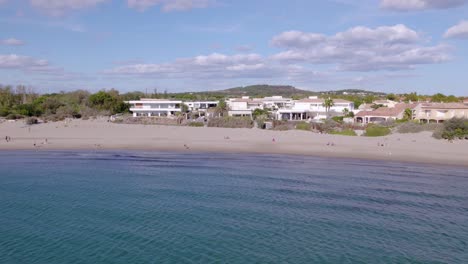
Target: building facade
column 155, row 107
column 440, row 112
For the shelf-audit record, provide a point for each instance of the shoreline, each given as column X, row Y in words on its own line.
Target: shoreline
column 91, row 135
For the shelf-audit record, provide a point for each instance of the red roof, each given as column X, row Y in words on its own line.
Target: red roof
column 387, row 111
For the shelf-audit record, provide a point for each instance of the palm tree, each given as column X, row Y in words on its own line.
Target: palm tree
column 328, row 103
column 346, row 112
column 222, row 107
column 408, row 114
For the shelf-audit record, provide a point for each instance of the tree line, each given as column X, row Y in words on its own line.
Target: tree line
column 20, row 101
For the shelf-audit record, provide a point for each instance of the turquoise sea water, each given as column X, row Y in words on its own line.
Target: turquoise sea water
column 142, row 207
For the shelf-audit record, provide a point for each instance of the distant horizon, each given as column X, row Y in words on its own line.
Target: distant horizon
column 389, row 46
column 151, row 91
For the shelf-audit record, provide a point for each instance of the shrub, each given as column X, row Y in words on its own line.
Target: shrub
column 14, row 116
column 455, row 128
column 31, row 121
column 338, row 119
column 377, row 131
column 196, row 124
column 231, row 122
column 412, row 127
column 283, row 125
column 303, row 126
column 4, row 111
column 327, row 126
column 345, row 132
column 261, row 123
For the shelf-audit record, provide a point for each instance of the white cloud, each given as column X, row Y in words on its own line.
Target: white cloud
column 170, row 5
column 217, row 67
column 13, row 61
column 37, row 67
column 60, row 7
column 458, row 31
column 413, row 5
column 361, row 49
column 11, row 42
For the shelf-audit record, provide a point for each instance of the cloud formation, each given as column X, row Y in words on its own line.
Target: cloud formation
column 459, row 31
column 218, row 66
column 13, row 61
column 11, row 42
column 61, row 7
column 360, row 49
column 170, row 5
column 415, row 5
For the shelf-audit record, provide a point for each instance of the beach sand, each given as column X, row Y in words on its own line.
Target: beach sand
column 102, row 135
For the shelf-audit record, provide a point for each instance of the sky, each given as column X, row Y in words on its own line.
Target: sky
column 394, row 46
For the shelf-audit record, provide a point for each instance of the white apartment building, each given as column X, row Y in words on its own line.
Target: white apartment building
column 200, row 105
column 155, row 107
column 313, row 108
column 243, row 106
column 277, row 102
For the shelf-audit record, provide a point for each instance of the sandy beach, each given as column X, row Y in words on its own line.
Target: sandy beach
column 102, row 135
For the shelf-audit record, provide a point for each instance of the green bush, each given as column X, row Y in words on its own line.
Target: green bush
column 303, row 126
column 345, row 132
column 14, row 116
column 196, row 124
column 338, row 119
column 377, row 131
column 455, row 128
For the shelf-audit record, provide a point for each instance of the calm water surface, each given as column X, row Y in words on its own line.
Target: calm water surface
column 141, row 207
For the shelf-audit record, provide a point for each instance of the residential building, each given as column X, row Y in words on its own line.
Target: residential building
column 386, row 103
column 313, row 108
column 155, row 107
column 243, row 106
column 201, row 105
column 277, row 102
column 383, row 114
column 440, row 112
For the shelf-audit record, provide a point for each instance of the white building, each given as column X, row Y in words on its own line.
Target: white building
column 277, row 102
column 155, row 107
column 201, row 105
column 243, row 106
column 313, row 108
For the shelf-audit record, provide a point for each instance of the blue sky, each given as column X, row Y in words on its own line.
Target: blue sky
column 192, row 45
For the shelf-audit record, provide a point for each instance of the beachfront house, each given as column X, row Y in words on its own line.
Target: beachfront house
column 386, row 103
column 155, row 107
column 383, row 114
column 440, row 112
column 276, row 102
column 313, row 108
column 201, row 106
column 244, row 106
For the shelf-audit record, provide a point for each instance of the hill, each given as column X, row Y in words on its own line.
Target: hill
column 264, row 90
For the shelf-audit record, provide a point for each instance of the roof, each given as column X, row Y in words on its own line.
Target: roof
column 308, row 100
column 387, row 111
column 444, row 105
column 249, row 101
column 149, row 100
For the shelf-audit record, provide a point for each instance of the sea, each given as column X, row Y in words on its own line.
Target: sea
column 166, row 207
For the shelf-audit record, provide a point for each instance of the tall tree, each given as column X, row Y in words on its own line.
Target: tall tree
column 328, row 103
